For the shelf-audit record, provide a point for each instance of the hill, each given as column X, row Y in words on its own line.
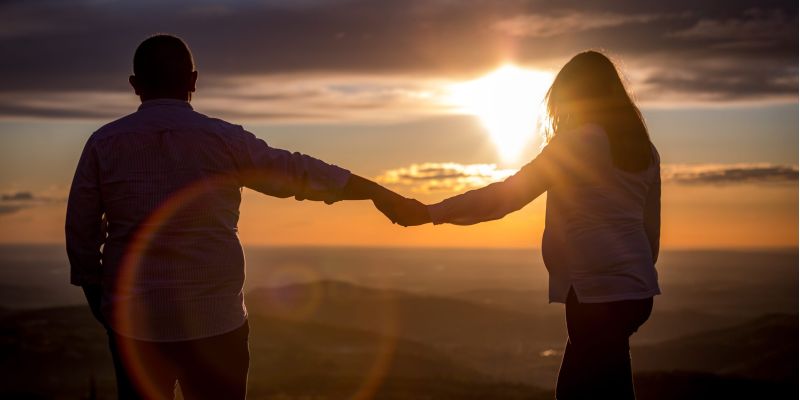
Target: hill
column 54, row 353
column 327, row 340
column 763, row 349
column 503, row 344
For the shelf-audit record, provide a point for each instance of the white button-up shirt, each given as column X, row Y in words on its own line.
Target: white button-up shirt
column 168, row 182
column 601, row 223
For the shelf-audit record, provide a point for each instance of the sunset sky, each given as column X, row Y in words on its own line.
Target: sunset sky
column 430, row 97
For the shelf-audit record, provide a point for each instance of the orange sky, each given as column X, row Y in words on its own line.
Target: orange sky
column 694, row 216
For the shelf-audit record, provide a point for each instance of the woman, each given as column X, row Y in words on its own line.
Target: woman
column 601, row 238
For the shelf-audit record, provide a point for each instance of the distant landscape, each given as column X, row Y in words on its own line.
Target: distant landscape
column 327, row 323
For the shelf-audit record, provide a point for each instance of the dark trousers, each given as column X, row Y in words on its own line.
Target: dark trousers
column 597, row 363
column 208, row 368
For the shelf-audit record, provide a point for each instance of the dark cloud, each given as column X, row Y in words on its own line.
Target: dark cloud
column 730, row 174
column 454, row 177
column 11, row 203
column 271, row 98
column 90, row 110
column 754, row 28
column 720, row 82
column 544, row 26
column 63, row 111
column 7, row 209
column 18, row 196
column 677, row 46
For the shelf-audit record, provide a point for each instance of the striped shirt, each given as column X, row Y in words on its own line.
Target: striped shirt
column 166, row 183
column 602, row 224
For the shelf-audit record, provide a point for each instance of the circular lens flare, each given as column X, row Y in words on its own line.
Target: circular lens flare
column 297, row 306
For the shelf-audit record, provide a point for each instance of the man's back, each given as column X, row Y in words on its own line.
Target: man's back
column 169, row 182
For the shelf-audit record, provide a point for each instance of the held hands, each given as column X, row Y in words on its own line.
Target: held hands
column 401, row 210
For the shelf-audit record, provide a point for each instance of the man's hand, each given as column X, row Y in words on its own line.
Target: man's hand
column 94, row 296
column 413, row 213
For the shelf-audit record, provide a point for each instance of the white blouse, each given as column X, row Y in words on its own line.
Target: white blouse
column 602, row 224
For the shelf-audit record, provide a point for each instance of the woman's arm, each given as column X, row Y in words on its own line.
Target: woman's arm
column 490, row 202
column 652, row 216
column 497, row 199
column 652, row 207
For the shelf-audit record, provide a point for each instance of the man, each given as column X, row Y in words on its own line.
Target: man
column 151, row 230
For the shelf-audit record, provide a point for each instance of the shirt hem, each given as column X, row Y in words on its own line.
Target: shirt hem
column 205, row 336
column 611, row 298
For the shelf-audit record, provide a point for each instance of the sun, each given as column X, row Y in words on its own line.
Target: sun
column 508, row 102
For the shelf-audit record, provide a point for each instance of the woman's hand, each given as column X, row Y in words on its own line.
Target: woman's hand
column 401, row 210
column 412, row 213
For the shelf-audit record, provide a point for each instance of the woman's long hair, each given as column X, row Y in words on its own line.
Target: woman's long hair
column 588, row 89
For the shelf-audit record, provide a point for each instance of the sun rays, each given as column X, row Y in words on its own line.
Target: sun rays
column 508, row 102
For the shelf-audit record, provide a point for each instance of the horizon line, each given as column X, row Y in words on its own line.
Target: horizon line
column 795, row 248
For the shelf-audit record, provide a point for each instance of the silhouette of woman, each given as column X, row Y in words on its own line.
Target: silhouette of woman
column 602, row 222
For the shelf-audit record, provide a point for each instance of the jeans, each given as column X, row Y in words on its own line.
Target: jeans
column 208, row 368
column 597, row 363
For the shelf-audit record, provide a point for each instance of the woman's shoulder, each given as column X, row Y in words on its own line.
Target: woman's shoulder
column 586, row 134
column 587, row 142
column 590, row 134
column 588, row 129
column 583, row 148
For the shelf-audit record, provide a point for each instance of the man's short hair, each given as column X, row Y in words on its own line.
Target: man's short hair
column 163, row 63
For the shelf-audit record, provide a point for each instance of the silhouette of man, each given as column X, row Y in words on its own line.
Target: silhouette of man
column 151, row 230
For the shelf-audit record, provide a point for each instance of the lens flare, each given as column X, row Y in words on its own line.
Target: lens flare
column 298, row 305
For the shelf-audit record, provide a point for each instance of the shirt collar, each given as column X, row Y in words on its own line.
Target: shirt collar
column 165, row 102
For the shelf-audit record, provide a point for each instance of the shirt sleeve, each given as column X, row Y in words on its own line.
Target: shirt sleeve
column 501, row 198
column 281, row 173
column 652, row 209
column 84, row 221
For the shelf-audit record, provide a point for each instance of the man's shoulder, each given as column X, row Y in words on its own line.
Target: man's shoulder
column 138, row 121
column 220, row 123
column 113, row 127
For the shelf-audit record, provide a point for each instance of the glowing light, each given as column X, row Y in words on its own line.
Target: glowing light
column 509, row 103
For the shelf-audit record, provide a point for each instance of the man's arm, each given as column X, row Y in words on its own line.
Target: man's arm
column 281, row 173
column 85, row 230
column 84, row 221
column 358, row 188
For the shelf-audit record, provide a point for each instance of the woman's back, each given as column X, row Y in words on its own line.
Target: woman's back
column 595, row 238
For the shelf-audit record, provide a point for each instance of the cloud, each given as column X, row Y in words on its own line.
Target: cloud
column 13, row 202
column 61, row 55
column 716, row 82
column 265, row 98
column 443, row 177
column 18, row 196
column 542, row 26
column 722, row 174
column 455, row 178
column 754, row 28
